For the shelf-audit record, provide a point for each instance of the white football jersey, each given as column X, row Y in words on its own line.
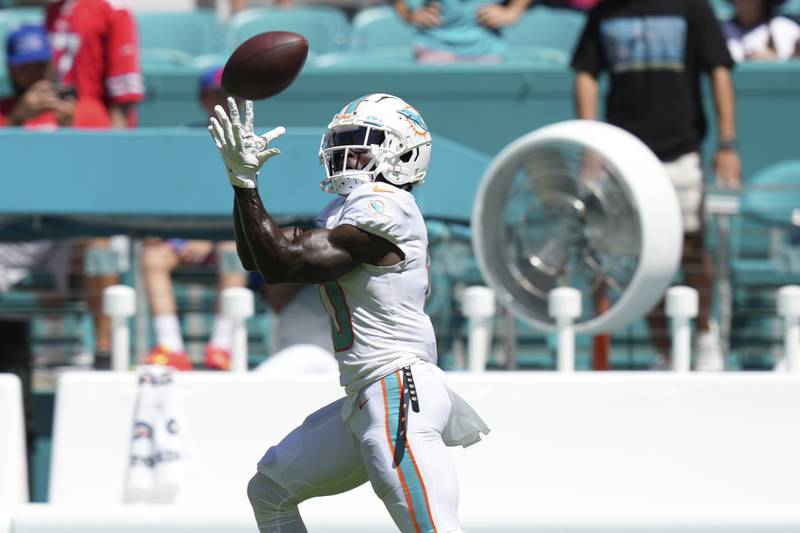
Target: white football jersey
column 377, row 313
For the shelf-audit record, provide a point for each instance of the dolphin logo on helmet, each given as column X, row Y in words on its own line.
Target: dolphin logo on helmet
column 386, row 128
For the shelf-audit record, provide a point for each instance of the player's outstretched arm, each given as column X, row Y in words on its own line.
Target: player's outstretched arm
column 313, row 256
column 242, row 249
column 307, row 257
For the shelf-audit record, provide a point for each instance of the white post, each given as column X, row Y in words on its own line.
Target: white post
column 681, row 307
column 119, row 303
column 564, row 305
column 789, row 309
column 478, row 305
column 238, row 305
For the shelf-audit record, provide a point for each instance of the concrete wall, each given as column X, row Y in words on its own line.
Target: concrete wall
column 589, row 452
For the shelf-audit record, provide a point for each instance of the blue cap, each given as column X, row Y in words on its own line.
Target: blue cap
column 211, row 79
column 27, row 44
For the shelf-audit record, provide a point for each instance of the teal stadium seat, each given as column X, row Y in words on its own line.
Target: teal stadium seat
column 12, row 17
column 326, row 28
column 177, row 37
column 545, row 32
column 723, row 9
column 764, row 255
column 377, row 30
column 791, row 8
column 379, row 33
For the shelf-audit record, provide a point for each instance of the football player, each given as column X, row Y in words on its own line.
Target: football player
column 369, row 257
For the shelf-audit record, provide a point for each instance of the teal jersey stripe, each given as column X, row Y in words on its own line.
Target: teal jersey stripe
column 413, row 482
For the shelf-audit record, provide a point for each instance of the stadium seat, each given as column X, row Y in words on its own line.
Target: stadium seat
column 326, row 28
column 378, row 28
column 375, row 59
column 723, row 9
column 13, row 17
column 193, row 33
column 545, row 27
column 771, row 199
column 765, row 254
column 791, row 8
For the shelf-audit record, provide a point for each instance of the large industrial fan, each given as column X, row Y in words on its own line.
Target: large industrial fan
column 581, row 204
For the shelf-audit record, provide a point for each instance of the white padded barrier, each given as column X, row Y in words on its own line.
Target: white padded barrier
column 13, row 457
column 605, row 452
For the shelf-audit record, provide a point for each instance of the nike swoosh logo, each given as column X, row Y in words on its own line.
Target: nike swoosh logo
column 362, row 404
column 377, row 188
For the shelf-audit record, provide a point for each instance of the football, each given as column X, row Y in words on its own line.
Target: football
column 264, row 65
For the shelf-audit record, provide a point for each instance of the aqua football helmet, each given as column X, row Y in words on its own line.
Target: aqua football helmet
column 378, row 135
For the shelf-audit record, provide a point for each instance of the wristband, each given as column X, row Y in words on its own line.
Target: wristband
column 727, row 144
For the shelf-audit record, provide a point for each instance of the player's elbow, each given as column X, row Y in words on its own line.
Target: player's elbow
column 247, row 261
column 275, row 269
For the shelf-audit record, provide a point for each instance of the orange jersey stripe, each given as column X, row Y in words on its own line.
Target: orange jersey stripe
column 422, row 483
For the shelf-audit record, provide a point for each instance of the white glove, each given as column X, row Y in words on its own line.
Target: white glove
column 242, row 151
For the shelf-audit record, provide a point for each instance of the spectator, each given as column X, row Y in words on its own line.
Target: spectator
column 161, row 257
column 756, row 33
column 451, row 30
column 35, row 103
column 210, row 93
column 655, row 51
column 96, row 55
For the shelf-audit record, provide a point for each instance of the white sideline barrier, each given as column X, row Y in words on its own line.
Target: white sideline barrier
column 13, row 456
column 573, row 453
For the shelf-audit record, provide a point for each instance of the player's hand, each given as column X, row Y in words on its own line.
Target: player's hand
column 496, row 16
column 428, row 16
column 728, row 169
column 242, row 151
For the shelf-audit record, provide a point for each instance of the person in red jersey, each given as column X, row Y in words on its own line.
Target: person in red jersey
column 96, row 53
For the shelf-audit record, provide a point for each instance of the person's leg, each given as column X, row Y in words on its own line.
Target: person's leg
column 100, row 272
column 659, row 335
column 407, row 462
column 698, row 271
column 231, row 274
column 318, row 458
column 686, row 174
column 157, row 262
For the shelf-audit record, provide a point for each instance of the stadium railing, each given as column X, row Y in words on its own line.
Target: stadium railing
column 152, row 193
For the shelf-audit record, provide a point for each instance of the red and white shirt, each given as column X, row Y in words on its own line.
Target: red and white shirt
column 96, row 50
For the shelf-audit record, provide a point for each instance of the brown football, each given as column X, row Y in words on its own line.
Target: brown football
column 264, row 65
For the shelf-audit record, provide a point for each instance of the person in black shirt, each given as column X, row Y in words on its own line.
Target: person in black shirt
column 654, row 52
